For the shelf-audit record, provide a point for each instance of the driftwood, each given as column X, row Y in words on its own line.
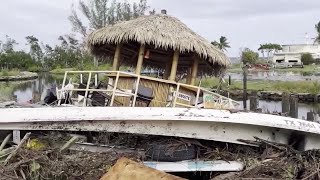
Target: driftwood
column 18, row 147
column 5, row 141
column 68, row 144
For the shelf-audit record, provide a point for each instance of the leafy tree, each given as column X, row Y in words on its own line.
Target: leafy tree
column 223, row 43
column 269, row 48
column 8, row 45
column 249, row 56
column 100, row 13
column 15, row 59
column 307, row 59
column 317, row 39
column 35, row 49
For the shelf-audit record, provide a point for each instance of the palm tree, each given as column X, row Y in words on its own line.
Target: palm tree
column 317, row 39
column 222, row 44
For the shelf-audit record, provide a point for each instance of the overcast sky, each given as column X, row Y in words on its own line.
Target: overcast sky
column 246, row 23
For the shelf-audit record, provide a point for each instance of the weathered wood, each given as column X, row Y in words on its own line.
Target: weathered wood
column 245, row 73
column 174, row 65
column 116, row 59
column 311, row 116
column 285, row 103
column 5, row 141
column 25, row 138
column 167, row 70
column 293, row 112
column 254, row 102
column 189, row 76
column 69, row 143
column 140, row 59
column 194, row 71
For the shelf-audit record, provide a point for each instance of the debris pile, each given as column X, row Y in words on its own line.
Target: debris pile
column 71, row 157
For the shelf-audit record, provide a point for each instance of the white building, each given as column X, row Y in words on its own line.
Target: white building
column 292, row 53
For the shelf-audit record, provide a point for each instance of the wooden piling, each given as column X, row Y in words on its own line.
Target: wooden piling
column 245, row 73
column 194, row 71
column 115, row 65
column 310, row 116
column 254, row 102
column 285, row 103
column 174, row 65
column 189, row 76
column 293, row 112
column 140, row 59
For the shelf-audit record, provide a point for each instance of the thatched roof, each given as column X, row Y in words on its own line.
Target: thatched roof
column 162, row 34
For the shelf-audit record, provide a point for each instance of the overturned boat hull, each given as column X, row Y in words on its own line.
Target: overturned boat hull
column 208, row 124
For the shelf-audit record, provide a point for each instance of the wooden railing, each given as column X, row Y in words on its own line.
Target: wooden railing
column 215, row 100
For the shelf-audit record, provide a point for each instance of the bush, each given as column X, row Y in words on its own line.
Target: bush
column 249, row 56
column 12, row 72
column 34, row 68
column 307, row 59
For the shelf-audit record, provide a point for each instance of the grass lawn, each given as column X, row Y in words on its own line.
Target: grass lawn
column 261, row 85
column 235, row 68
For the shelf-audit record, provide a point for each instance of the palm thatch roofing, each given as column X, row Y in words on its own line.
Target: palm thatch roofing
column 162, row 34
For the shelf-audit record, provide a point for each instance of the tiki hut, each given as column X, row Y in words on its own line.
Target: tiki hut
column 158, row 41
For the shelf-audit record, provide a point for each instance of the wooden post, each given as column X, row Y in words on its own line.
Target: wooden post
column 189, row 76
column 116, row 58
column 194, row 71
column 140, row 59
column 254, row 102
column 293, row 107
column 285, row 103
column 174, row 65
column 87, row 90
column 167, row 70
column 310, row 116
column 229, row 80
column 245, row 72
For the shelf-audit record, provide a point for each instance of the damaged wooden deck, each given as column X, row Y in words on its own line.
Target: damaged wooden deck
column 209, row 124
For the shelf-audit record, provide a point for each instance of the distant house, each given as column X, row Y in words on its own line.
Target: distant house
column 292, row 53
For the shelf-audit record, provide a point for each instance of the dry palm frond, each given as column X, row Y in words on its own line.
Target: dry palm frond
column 161, row 32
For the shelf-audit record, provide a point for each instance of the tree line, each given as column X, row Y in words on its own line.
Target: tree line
column 70, row 51
column 87, row 16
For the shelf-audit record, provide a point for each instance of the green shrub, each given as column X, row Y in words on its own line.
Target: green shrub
column 4, row 73
column 249, row 56
column 34, row 68
column 307, row 59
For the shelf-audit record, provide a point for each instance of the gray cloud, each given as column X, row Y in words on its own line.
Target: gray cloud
column 246, row 23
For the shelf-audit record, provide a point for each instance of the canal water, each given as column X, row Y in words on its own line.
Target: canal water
column 23, row 91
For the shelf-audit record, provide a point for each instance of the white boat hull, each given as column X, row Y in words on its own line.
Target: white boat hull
column 208, row 124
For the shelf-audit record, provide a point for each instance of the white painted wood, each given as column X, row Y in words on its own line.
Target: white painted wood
column 195, row 166
column 16, row 138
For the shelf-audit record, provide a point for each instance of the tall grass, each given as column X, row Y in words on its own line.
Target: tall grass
column 12, row 72
column 312, row 87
